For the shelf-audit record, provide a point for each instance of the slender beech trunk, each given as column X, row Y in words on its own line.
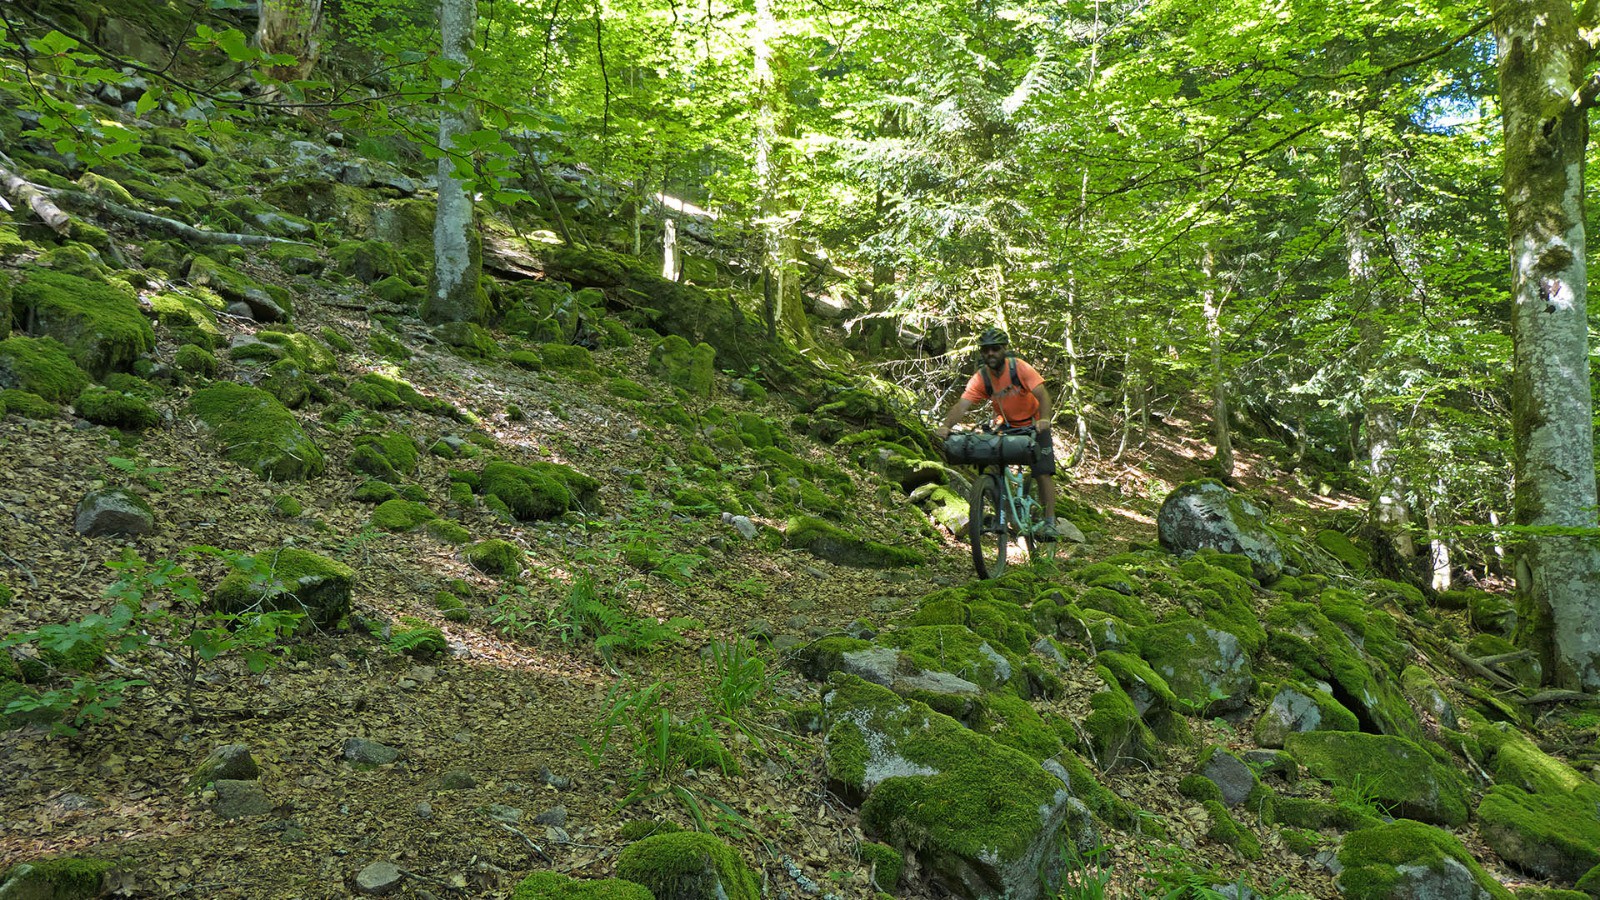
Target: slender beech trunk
column 1438, row 547
column 454, row 294
column 671, row 265
column 1388, row 514
column 1211, row 302
column 1542, row 61
column 293, row 27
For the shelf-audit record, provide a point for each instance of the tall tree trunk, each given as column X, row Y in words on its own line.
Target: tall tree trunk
column 1542, row 71
column 293, row 27
column 671, row 265
column 1388, row 513
column 1211, row 302
column 454, row 292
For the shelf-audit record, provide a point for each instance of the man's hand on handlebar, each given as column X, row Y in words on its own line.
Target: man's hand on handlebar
column 943, row 432
column 1042, row 429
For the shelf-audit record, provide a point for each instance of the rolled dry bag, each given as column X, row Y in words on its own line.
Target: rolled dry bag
column 974, row 448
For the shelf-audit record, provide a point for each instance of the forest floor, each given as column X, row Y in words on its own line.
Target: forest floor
column 518, row 710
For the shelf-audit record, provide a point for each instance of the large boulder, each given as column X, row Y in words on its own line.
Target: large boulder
column 40, row 366
column 293, row 580
column 1407, row 860
column 684, row 366
column 254, row 430
column 834, row 544
column 983, row 819
column 1295, row 709
column 1207, row 669
column 1541, row 815
column 1397, row 774
column 1205, row 515
column 100, row 324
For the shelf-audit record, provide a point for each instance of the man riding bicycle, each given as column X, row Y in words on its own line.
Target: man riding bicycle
column 1020, row 400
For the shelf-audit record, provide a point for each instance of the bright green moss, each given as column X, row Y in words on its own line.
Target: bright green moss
column 338, row 342
column 1302, row 635
column 567, row 358
column 232, row 284
column 195, row 360
column 1396, row 773
column 253, row 429
column 296, row 580
column 1340, row 548
column 116, row 409
column 448, row 532
column 305, row 351
column 839, row 546
column 367, row 261
column 27, row 405
column 1013, row 722
column 957, row 650
column 400, row 515
column 1198, row 787
column 386, row 346
column 528, row 493
column 1115, row 603
column 40, row 366
column 1372, row 860
column 374, row 491
column 188, row 317
column 687, row 865
column 554, row 886
column 1208, row 670
column 526, row 359
column 287, row 506
column 58, row 878
column 1114, row 731
column 496, row 557
column 1225, row 830
column 639, row 829
column 884, row 863
column 100, row 324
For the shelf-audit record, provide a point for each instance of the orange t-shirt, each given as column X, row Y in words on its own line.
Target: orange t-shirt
column 1013, row 403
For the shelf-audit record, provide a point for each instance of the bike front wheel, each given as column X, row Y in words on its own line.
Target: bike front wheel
column 988, row 527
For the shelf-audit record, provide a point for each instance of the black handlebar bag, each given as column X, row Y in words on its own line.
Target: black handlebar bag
column 979, row 449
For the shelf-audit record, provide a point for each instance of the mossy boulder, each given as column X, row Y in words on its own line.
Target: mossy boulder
column 1406, row 859
column 1226, row 830
column 1205, row 515
column 56, row 878
column 1114, row 734
column 27, row 405
column 1542, row 815
column 189, row 318
column 115, row 409
column 555, row 886
column 1325, row 648
column 293, row 580
column 496, row 557
column 195, row 360
column 539, row 491
column 271, row 345
column 266, row 305
column 1207, row 669
column 468, row 338
column 984, row 820
column 1396, row 773
column 387, row 456
column 368, row 261
column 400, row 515
column 884, row 864
column 40, row 366
column 100, row 324
column 267, row 218
column 1341, row 548
column 1296, row 708
column 254, row 430
column 376, row 391
column 963, row 652
column 568, row 358
column 688, row 865
column 681, row 365
column 834, row 544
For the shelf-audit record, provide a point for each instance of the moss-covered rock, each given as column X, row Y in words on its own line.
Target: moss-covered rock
column 293, row 580
column 448, row 532
column 100, row 324
column 982, row 818
column 115, row 409
column 195, row 360
column 368, row 261
column 1113, row 732
column 188, row 316
column 254, row 430
column 1205, row 515
column 836, row 545
column 1224, row 829
column 40, row 366
column 266, row 304
column 1207, row 669
column 387, row 456
column 1410, row 859
column 1397, row 774
column 555, row 886
column 688, row 865
column 268, row 345
column 540, row 491
column 1541, row 815
column 496, row 557
column 1296, row 708
column 381, row 392
column 27, row 405
column 1342, row 549
column 1308, row 637
column 684, row 366
column 399, row 515
column 56, row 878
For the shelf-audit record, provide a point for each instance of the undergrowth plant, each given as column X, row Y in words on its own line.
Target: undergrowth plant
column 158, row 607
column 585, row 615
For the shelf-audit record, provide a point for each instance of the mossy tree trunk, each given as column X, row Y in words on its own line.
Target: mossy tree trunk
column 1544, row 99
column 293, row 27
column 454, row 292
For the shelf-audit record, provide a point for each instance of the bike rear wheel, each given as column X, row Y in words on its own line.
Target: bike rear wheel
column 988, row 526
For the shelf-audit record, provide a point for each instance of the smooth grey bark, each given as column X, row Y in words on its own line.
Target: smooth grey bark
column 454, row 294
column 293, row 27
column 1543, row 91
column 671, row 264
column 1211, row 300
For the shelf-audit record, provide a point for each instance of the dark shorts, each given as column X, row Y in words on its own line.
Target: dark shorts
column 1044, row 458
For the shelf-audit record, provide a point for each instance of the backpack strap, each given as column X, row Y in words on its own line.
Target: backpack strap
column 988, row 385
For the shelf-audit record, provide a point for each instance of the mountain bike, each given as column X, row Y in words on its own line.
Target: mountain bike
column 1004, row 497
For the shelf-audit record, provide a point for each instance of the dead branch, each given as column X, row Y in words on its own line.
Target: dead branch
column 1557, row 696
column 172, row 226
column 34, row 197
column 1481, row 670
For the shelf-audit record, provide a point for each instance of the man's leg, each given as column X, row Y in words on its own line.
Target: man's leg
column 1044, row 472
column 1047, row 495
